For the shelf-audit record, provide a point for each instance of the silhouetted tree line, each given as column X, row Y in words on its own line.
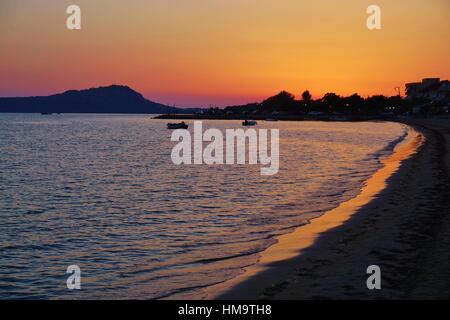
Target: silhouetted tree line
column 331, row 103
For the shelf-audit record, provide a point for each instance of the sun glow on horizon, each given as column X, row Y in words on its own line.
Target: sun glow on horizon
column 201, row 53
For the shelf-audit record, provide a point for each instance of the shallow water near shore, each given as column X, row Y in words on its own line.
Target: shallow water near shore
column 101, row 192
column 258, row 279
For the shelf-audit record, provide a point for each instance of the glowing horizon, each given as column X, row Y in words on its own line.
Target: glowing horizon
column 199, row 52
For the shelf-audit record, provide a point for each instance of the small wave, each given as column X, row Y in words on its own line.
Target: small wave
column 389, row 148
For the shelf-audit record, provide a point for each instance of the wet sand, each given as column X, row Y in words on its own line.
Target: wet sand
column 400, row 222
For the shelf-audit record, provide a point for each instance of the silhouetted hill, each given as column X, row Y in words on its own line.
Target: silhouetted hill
column 112, row 99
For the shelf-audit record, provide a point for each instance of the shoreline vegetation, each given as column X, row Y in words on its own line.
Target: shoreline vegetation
column 400, row 221
column 332, row 107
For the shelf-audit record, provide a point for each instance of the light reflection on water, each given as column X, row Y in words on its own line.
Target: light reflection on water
column 100, row 191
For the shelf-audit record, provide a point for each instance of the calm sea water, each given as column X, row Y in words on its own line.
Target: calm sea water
column 101, row 192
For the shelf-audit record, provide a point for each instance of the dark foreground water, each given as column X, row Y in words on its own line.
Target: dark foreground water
column 101, row 192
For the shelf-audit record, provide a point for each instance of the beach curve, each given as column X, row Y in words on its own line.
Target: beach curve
column 280, row 259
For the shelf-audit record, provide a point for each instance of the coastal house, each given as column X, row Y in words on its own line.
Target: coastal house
column 432, row 89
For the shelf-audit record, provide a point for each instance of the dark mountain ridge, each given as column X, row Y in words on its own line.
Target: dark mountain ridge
column 111, row 99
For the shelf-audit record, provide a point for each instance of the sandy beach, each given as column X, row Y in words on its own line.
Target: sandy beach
column 400, row 222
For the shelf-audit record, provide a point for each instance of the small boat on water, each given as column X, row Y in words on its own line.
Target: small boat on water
column 249, row 123
column 174, row 126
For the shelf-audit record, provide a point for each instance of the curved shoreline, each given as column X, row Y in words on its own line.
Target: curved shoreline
column 279, row 261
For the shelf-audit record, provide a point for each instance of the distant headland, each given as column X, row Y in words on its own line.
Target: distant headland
column 110, row 99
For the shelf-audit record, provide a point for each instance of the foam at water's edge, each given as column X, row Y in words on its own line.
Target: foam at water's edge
column 390, row 147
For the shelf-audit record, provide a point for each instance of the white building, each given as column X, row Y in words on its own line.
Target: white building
column 432, row 89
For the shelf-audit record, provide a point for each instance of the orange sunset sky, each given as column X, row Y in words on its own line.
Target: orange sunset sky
column 221, row 52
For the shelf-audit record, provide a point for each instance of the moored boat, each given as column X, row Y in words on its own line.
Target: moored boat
column 249, row 123
column 181, row 125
